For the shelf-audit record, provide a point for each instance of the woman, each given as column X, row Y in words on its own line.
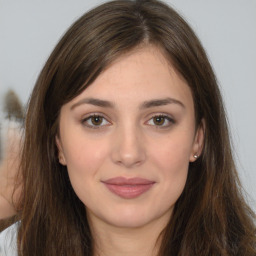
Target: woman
column 126, row 148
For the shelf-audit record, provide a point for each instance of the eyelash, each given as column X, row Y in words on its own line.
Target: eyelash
column 89, row 118
column 93, row 126
column 166, row 118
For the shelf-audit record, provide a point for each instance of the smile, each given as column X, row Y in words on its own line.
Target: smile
column 128, row 188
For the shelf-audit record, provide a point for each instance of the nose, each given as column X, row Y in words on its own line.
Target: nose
column 128, row 148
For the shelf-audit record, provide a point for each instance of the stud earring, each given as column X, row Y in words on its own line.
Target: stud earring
column 195, row 156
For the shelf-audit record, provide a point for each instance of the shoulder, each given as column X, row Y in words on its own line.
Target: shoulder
column 8, row 241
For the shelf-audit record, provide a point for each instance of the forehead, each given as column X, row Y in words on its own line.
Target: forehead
column 139, row 75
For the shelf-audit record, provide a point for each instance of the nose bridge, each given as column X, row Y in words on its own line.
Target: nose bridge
column 128, row 148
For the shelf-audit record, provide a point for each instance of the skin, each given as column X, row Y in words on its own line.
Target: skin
column 9, row 166
column 130, row 142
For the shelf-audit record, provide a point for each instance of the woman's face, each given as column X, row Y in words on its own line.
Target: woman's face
column 127, row 140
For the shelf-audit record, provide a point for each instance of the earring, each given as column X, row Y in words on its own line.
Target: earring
column 195, row 156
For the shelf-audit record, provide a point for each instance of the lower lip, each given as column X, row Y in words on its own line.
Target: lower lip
column 129, row 191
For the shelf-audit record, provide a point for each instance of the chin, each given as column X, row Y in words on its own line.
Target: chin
column 132, row 217
column 128, row 222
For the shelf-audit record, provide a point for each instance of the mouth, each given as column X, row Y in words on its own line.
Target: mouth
column 128, row 188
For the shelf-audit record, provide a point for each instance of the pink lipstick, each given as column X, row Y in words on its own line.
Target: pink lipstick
column 128, row 188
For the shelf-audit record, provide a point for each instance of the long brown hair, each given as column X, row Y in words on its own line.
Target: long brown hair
column 210, row 217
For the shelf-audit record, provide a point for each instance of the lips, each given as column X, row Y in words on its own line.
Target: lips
column 128, row 188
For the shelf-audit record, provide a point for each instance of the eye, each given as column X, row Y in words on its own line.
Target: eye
column 95, row 121
column 161, row 121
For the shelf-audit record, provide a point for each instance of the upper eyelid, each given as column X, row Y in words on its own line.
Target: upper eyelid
column 149, row 117
column 160, row 114
column 91, row 115
column 84, row 122
column 87, row 116
column 169, row 118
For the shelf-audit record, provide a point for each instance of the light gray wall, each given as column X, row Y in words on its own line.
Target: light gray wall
column 29, row 29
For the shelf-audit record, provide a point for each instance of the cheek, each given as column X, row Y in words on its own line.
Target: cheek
column 84, row 154
column 174, row 171
column 84, row 158
column 171, row 158
column 172, row 151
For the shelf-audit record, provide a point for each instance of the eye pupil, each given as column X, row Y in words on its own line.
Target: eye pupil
column 159, row 120
column 96, row 120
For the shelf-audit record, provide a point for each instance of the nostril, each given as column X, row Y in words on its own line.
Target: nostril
column 128, row 157
column 127, row 146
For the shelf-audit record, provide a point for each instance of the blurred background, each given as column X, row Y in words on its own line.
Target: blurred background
column 29, row 29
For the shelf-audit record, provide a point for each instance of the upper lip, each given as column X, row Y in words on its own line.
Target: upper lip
column 128, row 181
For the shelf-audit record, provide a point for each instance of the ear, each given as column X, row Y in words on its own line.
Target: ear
column 61, row 155
column 198, row 142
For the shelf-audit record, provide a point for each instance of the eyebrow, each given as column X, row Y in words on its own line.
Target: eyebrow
column 95, row 102
column 160, row 102
column 144, row 105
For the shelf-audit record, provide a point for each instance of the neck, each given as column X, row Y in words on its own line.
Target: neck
column 122, row 241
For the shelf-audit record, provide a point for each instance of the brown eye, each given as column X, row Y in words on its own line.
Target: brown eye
column 96, row 120
column 159, row 120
